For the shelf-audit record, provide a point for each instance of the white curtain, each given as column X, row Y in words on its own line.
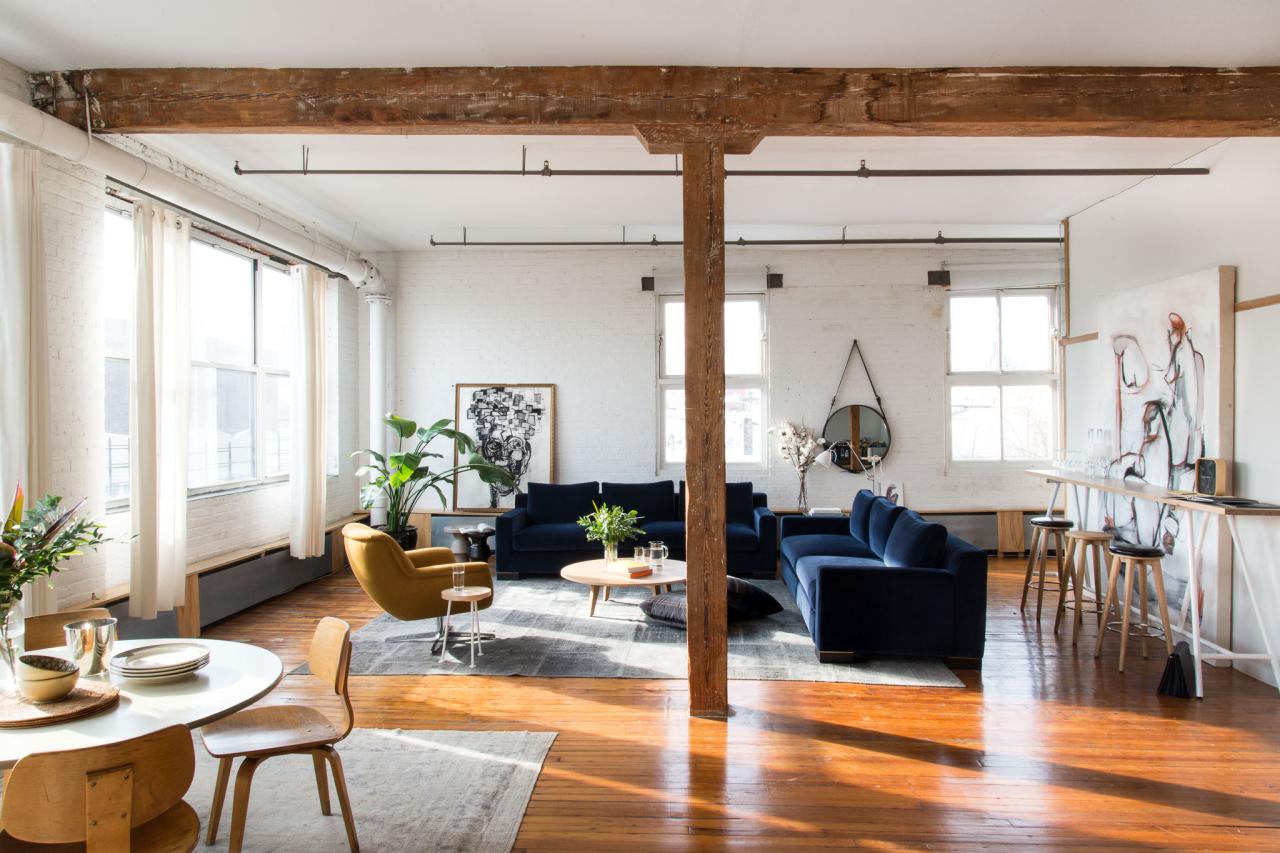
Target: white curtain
column 308, row 415
column 24, row 343
column 160, row 375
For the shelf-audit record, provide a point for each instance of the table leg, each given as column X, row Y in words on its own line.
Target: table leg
column 595, row 593
column 1253, row 599
column 1193, row 595
column 478, row 634
column 448, row 613
column 1053, row 501
column 474, row 611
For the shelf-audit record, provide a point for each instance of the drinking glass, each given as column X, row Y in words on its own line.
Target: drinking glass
column 459, row 577
column 90, row 643
column 642, row 554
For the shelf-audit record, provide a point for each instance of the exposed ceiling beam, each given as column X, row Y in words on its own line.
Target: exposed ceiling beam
column 666, row 107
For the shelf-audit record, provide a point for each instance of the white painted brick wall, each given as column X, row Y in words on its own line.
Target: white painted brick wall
column 577, row 318
column 73, row 200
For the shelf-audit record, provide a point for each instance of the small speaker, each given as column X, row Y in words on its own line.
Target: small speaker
column 1213, row 476
column 940, row 278
column 773, row 280
column 646, row 282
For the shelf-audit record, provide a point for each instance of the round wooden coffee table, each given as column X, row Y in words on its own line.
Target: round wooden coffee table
column 599, row 575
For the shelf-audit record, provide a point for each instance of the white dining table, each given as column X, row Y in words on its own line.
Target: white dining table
column 237, row 675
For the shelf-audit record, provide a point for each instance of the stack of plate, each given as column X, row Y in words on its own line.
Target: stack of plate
column 160, row 662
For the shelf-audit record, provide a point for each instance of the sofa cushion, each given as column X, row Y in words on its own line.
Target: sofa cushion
column 883, row 515
column 750, row 601
column 807, row 570
column 795, row 548
column 654, row 501
column 741, row 537
column 739, row 505
column 552, row 503
column 915, row 542
column 670, row 533
column 560, row 536
column 860, row 514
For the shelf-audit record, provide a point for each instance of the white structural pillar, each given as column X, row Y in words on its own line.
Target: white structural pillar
column 379, row 306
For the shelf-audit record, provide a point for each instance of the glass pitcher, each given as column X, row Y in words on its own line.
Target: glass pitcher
column 658, row 553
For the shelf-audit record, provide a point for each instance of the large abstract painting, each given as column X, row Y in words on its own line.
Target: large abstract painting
column 514, row 428
column 1165, row 404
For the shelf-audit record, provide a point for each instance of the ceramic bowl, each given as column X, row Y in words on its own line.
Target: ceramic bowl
column 44, row 678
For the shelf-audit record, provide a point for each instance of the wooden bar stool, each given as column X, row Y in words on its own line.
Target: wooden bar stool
column 1135, row 560
column 1081, row 544
column 1044, row 528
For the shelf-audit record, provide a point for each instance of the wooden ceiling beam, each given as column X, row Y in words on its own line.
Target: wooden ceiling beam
column 667, row 106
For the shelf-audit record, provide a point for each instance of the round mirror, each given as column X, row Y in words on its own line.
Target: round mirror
column 854, row 434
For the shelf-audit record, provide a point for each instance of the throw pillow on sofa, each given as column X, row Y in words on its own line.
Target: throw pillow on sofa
column 553, row 503
column 915, row 543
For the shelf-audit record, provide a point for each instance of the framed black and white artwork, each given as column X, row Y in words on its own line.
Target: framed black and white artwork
column 515, row 429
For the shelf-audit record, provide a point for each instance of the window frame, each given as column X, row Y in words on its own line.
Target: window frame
column 1001, row 378
column 257, row 371
column 749, row 381
column 125, row 212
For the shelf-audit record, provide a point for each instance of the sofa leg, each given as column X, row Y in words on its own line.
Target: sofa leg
column 839, row 657
column 963, row 663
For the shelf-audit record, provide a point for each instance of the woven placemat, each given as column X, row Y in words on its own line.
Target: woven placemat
column 86, row 698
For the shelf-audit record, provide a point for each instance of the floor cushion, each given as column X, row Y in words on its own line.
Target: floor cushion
column 745, row 601
column 551, row 503
column 654, row 501
column 794, row 548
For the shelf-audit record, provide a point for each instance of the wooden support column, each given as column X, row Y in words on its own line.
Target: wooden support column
column 705, row 550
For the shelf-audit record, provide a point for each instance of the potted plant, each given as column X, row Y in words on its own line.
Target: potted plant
column 405, row 476
column 610, row 525
column 800, row 446
column 33, row 546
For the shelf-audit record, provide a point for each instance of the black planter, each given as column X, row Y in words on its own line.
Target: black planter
column 406, row 538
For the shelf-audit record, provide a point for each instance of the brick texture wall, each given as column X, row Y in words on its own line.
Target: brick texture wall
column 577, row 318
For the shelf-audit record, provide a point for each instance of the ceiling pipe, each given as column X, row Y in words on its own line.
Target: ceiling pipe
column 740, row 241
column 40, row 130
column 862, row 172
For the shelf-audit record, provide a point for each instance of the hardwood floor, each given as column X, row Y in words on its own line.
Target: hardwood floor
column 1046, row 747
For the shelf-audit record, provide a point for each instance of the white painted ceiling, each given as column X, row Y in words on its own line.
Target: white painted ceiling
column 41, row 35
column 403, row 212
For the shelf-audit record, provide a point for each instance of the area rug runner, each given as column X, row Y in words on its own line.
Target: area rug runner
column 543, row 629
column 439, row 791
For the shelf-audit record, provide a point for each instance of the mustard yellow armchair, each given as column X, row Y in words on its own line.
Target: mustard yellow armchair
column 406, row 584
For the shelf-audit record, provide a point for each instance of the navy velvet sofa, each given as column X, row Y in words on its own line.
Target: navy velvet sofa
column 541, row 535
column 885, row 581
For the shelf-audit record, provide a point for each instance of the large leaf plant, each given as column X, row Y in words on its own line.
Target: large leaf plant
column 404, row 476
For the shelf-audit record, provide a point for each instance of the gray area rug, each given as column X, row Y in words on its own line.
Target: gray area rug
column 410, row 790
column 543, row 629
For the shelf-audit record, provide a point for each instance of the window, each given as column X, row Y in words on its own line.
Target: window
column 244, row 318
column 1002, row 379
column 117, row 318
column 745, row 381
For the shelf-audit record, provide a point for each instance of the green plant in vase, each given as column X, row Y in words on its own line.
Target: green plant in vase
column 405, row 476
column 611, row 525
column 33, row 546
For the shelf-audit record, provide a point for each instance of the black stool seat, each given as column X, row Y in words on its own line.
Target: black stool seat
column 1130, row 549
column 1052, row 522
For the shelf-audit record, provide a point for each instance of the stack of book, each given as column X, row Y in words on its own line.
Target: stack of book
column 635, row 568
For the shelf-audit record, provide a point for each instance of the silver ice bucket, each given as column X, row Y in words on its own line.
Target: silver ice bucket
column 90, row 643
